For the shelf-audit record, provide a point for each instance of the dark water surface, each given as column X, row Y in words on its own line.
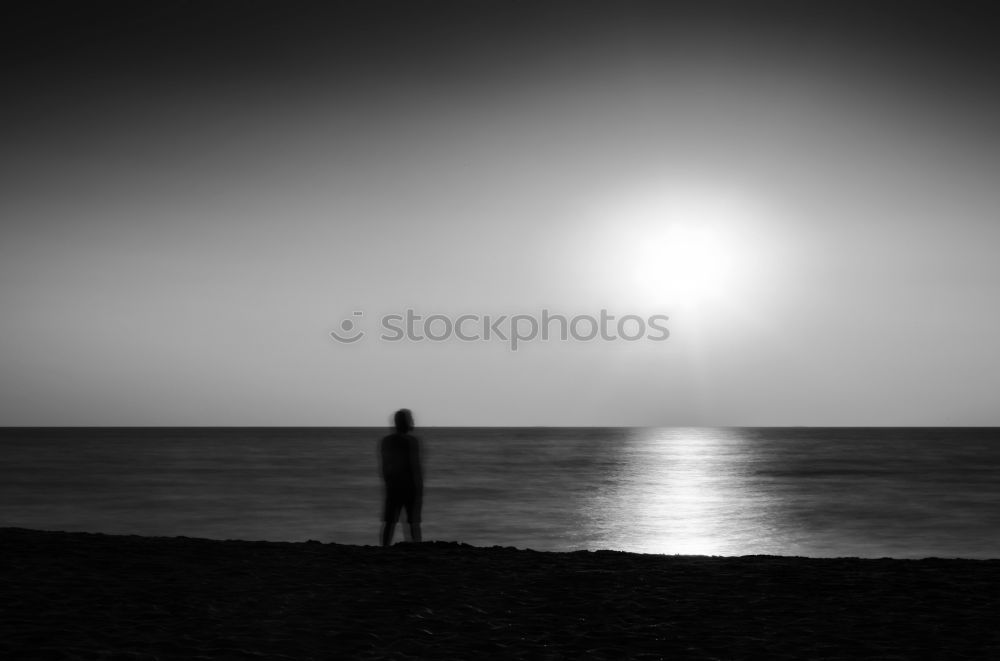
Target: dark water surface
column 870, row 492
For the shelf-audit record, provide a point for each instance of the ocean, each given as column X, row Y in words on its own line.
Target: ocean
column 821, row 492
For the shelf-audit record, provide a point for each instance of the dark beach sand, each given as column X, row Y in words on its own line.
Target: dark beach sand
column 87, row 596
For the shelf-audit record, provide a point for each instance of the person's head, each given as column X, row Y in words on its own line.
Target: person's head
column 403, row 421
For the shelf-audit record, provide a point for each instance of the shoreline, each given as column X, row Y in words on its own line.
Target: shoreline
column 92, row 595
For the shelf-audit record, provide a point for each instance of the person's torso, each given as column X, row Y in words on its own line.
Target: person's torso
column 398, row 459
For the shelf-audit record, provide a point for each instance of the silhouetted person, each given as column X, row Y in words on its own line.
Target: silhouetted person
column 404, row 477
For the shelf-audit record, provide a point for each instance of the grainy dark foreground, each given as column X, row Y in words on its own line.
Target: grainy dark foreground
column 88, row 596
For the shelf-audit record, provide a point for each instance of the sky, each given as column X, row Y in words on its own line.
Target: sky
column 194, row 195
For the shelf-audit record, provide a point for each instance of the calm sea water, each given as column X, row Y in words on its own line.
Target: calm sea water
column 867, row 492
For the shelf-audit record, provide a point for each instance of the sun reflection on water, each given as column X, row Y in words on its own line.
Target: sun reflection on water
column 682, row 491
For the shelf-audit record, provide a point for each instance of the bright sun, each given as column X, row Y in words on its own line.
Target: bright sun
column 667, row 244
column 684, row 248
column 684, row 263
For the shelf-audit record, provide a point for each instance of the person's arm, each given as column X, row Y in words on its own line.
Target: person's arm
column 380, row 451
column 415, row 465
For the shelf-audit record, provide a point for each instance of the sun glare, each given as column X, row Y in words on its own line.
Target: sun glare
column 681, row 246
column 684, row 263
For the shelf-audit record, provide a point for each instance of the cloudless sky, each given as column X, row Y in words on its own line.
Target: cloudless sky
column 194, row 196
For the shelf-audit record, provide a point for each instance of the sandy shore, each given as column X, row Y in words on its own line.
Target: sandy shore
column 87, row 596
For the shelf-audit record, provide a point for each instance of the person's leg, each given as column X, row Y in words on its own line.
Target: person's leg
column 413, row 517
column 388, row 527
column 390, row 515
